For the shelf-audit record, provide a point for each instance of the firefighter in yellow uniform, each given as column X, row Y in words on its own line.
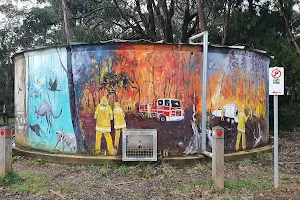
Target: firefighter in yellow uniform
column 250, row 114
column 242, row 118
column 149, row 114
column 104, row 115
column 260, row 109
column 222, row 113
column 119, row 123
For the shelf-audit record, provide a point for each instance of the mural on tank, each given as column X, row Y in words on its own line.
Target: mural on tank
column 48, row 101
column 95, row 92
column 137, row 86
column 237, row 96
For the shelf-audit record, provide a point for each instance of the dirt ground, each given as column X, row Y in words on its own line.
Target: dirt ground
column 245, row 179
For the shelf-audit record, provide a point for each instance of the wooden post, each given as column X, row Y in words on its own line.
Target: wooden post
column 218, row 157
column 5, row 151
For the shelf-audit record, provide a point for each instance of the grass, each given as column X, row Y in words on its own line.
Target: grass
column 104, row 170
column 26, row 183
column 253, row 185
column 36, row 162
column 34, row 183
column 123, row 170
column 141, row 196
column 286, row 177
column 10, row 179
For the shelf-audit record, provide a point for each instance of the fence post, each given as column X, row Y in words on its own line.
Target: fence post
column 5, row 150
column 218, row 157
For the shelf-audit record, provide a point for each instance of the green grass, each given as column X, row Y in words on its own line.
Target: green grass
column 123, row 170
column 253, row 185
column 104, row 170
column 207, row 183
column 33, row 183
column 247, row 161
column 10, row 179
column 286, row 177
column 26, row 183
column 141, row 196
column 146, row 171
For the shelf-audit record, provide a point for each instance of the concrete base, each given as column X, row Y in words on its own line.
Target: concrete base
column 89, row 160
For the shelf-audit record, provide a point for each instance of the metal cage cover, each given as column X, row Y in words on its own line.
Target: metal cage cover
column 139, row 145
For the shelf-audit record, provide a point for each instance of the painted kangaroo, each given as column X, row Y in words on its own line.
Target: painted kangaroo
column 46, row 110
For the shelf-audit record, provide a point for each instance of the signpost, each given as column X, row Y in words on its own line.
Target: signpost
column 276, row 87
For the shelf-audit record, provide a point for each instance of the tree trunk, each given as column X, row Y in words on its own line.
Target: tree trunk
column 226, row 20
column 287, row 27
column 66, row 20
column 201, row 15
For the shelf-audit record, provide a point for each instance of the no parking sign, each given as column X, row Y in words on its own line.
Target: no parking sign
column 276, row 81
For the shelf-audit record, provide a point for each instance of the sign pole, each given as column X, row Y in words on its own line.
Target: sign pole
column 276, row 180
column 276, row 87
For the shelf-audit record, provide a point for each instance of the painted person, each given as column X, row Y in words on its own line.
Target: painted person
column 222, row 113
column 149, row 114
column 250, row 114
column 119, row 123
column 103, row 115
column 242, row 118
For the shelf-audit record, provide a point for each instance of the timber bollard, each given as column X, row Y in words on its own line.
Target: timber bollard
column 5, row 151
column 218, row 157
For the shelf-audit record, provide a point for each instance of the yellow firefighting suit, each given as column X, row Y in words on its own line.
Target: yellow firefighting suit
column 103, row 115
column 119, row 123
column 222, row 113
column 242, row 118
column 149, row 114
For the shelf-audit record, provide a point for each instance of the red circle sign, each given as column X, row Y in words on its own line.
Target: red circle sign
column 2, row 132
column 220, row 133
column 276, row 73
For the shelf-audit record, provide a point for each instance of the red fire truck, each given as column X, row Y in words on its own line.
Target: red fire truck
column 163, row 109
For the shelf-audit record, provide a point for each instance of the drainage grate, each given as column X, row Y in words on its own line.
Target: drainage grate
column 139, row 145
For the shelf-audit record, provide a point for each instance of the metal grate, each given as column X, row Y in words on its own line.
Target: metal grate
column 139, row 145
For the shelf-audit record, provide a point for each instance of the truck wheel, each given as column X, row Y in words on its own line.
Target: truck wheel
column 153, row 114
column 162, row 118
column 143, row 115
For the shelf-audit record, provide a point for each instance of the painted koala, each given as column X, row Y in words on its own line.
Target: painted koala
column 67, row 139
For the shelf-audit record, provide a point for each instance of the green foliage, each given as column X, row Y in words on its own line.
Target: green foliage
column 286, row 177
column 123, row 170
column 34, row 183
column 10, row 179
column 104, row 170
column 253, row 185
column 288, row 112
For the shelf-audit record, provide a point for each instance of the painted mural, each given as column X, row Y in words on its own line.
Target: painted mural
column 137, row 87
column 81, row 99
column 237, row 96
column 48, row 101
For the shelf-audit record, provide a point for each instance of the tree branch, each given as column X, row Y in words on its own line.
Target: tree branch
column 92, row 12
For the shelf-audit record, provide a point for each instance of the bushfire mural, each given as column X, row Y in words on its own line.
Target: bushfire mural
column 48, row 102
column 137, row 87
column 237, row 96
column 95, row 92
